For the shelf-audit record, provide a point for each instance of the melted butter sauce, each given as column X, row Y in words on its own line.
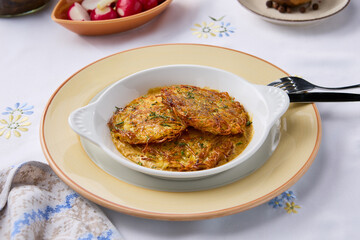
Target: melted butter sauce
column 240, row 141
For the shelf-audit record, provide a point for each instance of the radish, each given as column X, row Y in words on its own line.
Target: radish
column 103, row 14
column 90, row 4
column 105, row 3
column 148, row 4
column 128, row 7
column 78, row 13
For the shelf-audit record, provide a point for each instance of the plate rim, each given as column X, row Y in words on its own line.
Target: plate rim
column 173, row 216
column 279, row 20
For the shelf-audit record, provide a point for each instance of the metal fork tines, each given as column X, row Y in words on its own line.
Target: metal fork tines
column 292, row 84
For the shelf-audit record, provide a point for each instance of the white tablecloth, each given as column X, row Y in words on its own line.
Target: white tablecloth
column 37, row 55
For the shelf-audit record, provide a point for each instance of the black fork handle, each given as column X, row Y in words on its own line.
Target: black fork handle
column 324, row 97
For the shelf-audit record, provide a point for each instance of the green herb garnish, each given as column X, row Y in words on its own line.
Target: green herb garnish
column 118, row 109
column 190, row 95
column 120, row 123
column 153, row 115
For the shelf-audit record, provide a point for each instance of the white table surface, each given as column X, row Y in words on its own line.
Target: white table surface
column 37, row 55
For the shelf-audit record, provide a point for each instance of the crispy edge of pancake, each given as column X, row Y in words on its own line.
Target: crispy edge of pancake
column 206, row 109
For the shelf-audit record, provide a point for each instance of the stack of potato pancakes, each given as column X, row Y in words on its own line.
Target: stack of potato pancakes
column 181, row 128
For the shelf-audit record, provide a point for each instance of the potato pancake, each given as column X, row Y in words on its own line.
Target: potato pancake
column 193, row 150
column 145, row 120
column 205, row 109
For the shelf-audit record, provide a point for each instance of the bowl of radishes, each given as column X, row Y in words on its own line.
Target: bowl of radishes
column 99, row 17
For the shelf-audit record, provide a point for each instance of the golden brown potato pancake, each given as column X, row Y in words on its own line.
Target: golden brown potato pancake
column 207, row 110
column 193, row 150
column 145, row 120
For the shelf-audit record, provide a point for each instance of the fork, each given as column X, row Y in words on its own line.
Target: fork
column 292, row 84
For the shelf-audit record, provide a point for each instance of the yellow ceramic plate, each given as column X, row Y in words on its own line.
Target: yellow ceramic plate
column 327, row 8
column 299, row 143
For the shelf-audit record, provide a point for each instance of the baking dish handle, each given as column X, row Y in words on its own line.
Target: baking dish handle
column 81, row 122
column 277, row 101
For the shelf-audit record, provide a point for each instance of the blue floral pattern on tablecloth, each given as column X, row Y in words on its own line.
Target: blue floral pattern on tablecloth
column 15, row 121
column 19, row 109
column 286, row 200
column 215, row 27
column 225, row 29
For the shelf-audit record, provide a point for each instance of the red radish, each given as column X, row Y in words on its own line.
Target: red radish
column 148, row 4
column 128, row 7
column 78, row 13
column 90, row 4
column 103, row 14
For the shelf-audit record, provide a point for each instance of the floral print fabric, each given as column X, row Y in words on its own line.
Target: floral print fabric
column 17, row 120
column 213, row 28
column 286, row 201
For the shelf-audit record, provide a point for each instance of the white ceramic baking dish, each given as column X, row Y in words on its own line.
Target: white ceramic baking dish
column 264, row 104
